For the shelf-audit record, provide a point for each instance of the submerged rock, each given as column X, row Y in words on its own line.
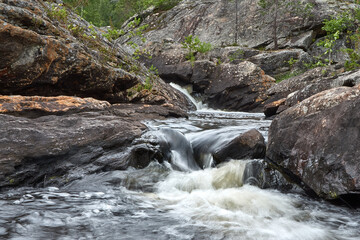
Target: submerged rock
column 249, row 145
column 316, row 143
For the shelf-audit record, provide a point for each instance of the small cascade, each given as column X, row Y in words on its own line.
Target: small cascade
column 199, row 104
column 176, row 149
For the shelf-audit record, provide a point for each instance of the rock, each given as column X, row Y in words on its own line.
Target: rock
column 337, row 56
column 257, row 172
column 277, row 62
column 49, row 55
column 56, row 140
column 249, row 145
column 17, row 105
column 298, row 88
column 214, row 21
column 173, row 147
column 316, row 143
column 270, row 109
column 303, row 41
column 236, row 86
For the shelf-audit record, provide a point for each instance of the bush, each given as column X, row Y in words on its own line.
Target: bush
column 194, row 45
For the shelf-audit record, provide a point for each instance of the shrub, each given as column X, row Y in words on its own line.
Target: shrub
column 194, row 45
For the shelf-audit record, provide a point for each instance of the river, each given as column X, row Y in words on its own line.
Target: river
column 159, row 202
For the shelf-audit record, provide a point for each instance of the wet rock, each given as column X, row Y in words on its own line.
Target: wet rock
column 316, row 143
column 258, row 173
column 48, row 55
column 173, row 147
column 249, row 145
column 67, row 142
column 271, row 109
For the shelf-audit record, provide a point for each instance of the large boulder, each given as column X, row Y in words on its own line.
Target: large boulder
column 316, row 143
column 48, row 50
column 61, row 139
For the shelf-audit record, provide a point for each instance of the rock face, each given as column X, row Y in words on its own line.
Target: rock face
column 296, row 89
column 237, row 86
column 58, row 79
column 50, row 51
column 316, row 143
column 214, row 21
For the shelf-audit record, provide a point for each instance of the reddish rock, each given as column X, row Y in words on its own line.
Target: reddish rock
column 43, row 54
column 49, row 105
column 270, row 109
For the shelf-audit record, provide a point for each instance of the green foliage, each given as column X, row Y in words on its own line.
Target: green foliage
column 76, row 31
column 291, row 62
column 115, row 13
column 343, row 25
column 194, row 45
column 154, row 70
column 113, row 34
column 318, row 62
column 58, row 12
column 353, row 63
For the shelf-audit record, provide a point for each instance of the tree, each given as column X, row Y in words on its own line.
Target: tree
column 288, row 9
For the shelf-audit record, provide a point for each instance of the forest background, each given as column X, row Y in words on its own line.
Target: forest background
column 115, row 12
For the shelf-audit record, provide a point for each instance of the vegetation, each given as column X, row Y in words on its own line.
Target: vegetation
column 345, row 25
column 194, row 45
column 115, row 13
column 58, row 12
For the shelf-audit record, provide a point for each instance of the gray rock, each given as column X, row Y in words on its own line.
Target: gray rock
column 316, row 143
column 249, row 145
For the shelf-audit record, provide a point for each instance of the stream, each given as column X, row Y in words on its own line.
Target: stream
column 161, row 202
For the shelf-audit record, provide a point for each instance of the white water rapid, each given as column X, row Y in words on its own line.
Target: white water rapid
column 176, row 200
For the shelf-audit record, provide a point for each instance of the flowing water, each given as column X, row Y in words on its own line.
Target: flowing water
column 160, row 202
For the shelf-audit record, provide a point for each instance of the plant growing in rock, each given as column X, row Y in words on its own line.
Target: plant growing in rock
column 58, row 12
column 194, row 45
column 286, row 8
column 346, row 25
column 113, row 34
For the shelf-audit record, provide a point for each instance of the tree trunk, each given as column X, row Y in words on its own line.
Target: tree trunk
column 236, row 22
column 275, row 25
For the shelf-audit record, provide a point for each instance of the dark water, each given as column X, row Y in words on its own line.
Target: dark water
column 160, row 203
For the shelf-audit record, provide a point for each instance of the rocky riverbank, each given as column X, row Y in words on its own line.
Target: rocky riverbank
column 72, row 101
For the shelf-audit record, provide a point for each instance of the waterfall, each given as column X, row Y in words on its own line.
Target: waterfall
column 199, row 104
